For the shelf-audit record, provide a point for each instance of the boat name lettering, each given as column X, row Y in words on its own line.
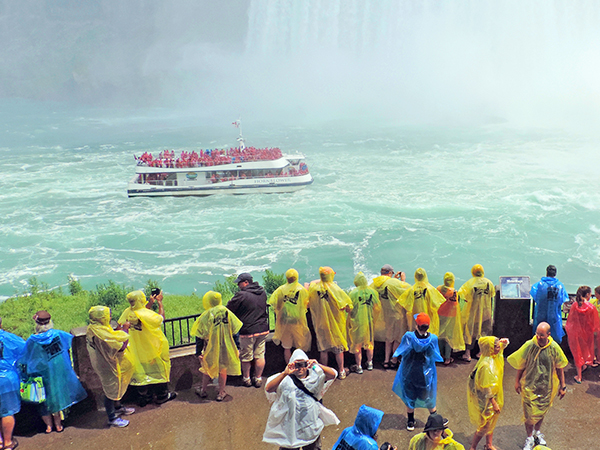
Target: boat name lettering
column 273, row 180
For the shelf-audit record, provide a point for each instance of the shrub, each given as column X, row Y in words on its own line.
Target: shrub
column 272, row 281
column 228, row 288
column 111, row 294
column 74, row 285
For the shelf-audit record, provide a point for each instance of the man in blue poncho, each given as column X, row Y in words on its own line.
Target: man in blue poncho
column 361, row 436
column 416, row 379
column 549, row 294
column 11, row 347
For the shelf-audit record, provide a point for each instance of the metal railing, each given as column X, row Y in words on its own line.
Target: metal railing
column 177, row 329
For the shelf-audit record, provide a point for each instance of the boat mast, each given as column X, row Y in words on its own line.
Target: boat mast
column 240, row 139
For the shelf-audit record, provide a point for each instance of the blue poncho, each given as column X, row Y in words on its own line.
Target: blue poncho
column 416, row 379
column 549, row 294
column 361, row 436
column 47, row 355
column 11, row 348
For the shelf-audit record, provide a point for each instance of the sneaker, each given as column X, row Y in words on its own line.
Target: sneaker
column 199, row 392
column 410, row 425
column 342, row 375
column 356, row 368
column 118, row 422
column 257, row 382
column 529, row 443
column 123, row 411
column 539, row 438
column 369, row 365
column 246, row 382
column 170, row 396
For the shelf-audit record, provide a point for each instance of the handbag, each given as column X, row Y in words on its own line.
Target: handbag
column 32, row 390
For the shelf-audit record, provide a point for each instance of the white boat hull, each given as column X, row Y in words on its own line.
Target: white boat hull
column 276, row 185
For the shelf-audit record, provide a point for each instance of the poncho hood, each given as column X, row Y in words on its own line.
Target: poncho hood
column 421, row 277
column 360, row 280
column 291, row 276
column 298, row 355
column 378, row 281
column 326, row 274
column 477, row 270
column 43, row 338
column 137, row 300
column 211, row 299
column 99, row 315
column 449, row 279
column 550, row 280
column 486, row 345
column 368, row 420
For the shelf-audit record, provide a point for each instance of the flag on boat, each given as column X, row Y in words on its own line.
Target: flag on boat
column 236, row 124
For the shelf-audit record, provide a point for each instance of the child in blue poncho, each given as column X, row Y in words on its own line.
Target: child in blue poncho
column 361, row 436
column 416, row 379
column 47, row 355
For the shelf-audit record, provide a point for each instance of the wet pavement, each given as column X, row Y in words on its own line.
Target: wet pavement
column 189, row 422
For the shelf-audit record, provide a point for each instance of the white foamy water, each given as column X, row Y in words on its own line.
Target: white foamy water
column 442, row 199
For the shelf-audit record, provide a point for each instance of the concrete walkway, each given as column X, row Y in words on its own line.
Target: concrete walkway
column 238, row 423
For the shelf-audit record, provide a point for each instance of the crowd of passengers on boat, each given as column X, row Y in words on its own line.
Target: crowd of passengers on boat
column 214, row 157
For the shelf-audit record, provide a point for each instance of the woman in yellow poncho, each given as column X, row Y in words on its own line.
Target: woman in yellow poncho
column 485, row 391
column 361, row 321
column 327, row 303
column 435, row 436
column 477, row 293
column 149, row 348
column 220, row 356
column 422, row 297
column 451, row 333
column 112, row 361
column 290, row 302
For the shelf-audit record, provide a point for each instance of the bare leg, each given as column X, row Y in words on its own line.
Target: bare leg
column 529, row 429
column 8, row 425
column 388, row 351
column 538, row 425
column 259, row 366
column 57, row 421
column 578, row 373
column 370, row 355
column 358, row 358
column 222, row 382
column 476, row 438
column 323, row 357
column 246, row 366
column 340, row 361
column 287, row 354
column 48, row 421
column 488, row 441
column 395, row 345
column 205, row 382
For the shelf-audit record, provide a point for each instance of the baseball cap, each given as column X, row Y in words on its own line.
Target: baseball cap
column 387, row 268
column 243, row 277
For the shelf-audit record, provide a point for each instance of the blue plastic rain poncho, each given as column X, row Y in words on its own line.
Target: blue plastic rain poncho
column 477, row 293
column 422, row 297
column 148, row 343
column 392, row 323
column 361, row 436
column 539, row 383
column 451, row 329
column 290, row 302
column 47, row 355
column 485, row 384
column 112, row 363
column 328, row 302
column 422, row 442
column 361, row 319
column 549, row 294
column 296, row 419
column 216, row 326
column 416, row 379
column 11, row 348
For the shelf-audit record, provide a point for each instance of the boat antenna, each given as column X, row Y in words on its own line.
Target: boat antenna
column 240, row 139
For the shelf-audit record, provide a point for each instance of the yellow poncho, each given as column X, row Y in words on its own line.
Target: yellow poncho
column 485, row 384
column 422, row 297
column 539, row 383
column 449, row 313
column 327, row 302
column 290, row 302
column 478, row 293
column 114, row 367
column 422, row 442
column 216, row 326
column 148, row 344
column 366, row 307
column 392, row 323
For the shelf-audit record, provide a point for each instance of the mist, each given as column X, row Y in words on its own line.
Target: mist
column 532, row 62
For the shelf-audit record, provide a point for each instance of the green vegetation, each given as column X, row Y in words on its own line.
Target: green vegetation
column 70, row 310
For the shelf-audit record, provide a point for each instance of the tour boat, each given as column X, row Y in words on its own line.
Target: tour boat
column 239, row 170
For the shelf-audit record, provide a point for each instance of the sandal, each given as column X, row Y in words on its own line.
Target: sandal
column 14, row 444
column 467, row 359
column 394, row 365
column 386, row 365
column 221, row 397
column 576, row 380
column 595, row 363
column 448, row 362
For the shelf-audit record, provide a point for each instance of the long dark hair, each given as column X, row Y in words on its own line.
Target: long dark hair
column 582, row 292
